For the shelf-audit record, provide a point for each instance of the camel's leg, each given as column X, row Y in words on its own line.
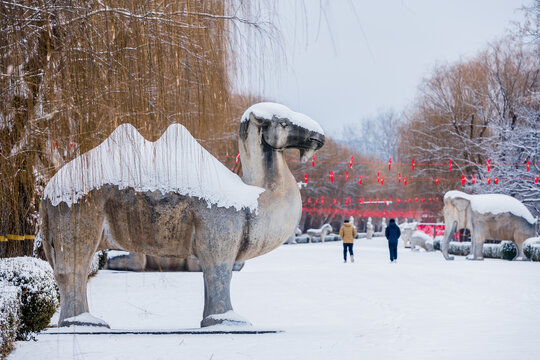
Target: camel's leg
column 217, row 297
column 73, row 241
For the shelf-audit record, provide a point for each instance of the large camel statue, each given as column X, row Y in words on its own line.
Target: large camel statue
column 487, row 216
column 171, row 197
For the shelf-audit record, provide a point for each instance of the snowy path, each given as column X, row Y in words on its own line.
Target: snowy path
column 420, row 308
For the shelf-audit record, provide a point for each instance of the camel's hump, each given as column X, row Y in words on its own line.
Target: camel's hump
column 175, row 162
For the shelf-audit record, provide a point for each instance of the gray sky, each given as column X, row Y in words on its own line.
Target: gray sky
column 360, row 56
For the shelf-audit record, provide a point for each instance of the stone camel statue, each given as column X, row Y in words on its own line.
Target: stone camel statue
column 322, row 232
column 487, row 216
column 172, row 198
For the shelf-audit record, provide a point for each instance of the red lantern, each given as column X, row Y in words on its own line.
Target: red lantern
column 462, row 179
column 237, row 158
column 305, row 178
column 416, row 199
column 473, row 180
column 489, row 165
column 346, row 176
column 360, row 180
column 313, row 161
column 322, row 199
column 378, row 177
column 450, row 161
column 405, row 180
column 536, row 180
column 399, row 178
column 331, row 176
column 412, row 164
column 489, row 181
column 335, row 201
column 389, row 164
column 382, row 181
column 527, row 163
column 437, row 181
column 423, row 199
column 496, row 181
column 351, row 162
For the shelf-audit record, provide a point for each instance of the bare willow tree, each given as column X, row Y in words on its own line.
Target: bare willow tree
column 71, row 71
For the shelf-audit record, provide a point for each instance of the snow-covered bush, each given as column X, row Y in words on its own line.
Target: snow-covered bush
column 492, row 251
column 9, row 316
column 459, row 248
column 39, row 292
column 508, row 250
column 531, row 248
column 99, row 260
column 437, row 243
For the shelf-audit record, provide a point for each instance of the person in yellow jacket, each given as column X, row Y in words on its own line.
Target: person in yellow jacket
column 347, row 234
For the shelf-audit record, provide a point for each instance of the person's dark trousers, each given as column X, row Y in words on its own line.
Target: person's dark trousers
column 349, row 246
column 392, row 246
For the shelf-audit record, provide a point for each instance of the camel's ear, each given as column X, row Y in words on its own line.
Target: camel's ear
column 460, row 203
column 258, row 121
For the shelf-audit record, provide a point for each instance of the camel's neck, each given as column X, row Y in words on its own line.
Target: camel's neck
column 263, row 166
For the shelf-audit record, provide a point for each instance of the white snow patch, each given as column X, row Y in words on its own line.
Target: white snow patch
column 494, row 204
column 424, row 306
column 229, row 318
column 173, row 163
column 268, row 110
column 111, row 254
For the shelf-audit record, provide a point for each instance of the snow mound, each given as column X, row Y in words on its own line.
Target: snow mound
column 86, row 319
column 494, row 204
column 176, row 162
column 268, row 110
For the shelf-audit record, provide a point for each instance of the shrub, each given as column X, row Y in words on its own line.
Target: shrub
column 10, row 297
column 508, row 250
column 102, row 259
column 459, row 248
column 531, row 248
column 437, row 243
column 39, row 293
column 492, row 251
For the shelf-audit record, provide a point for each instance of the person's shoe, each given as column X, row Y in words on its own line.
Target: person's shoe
column 352, row 258
column 345, row 261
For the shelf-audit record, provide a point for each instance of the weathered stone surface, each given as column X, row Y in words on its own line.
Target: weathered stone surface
column 174, row 225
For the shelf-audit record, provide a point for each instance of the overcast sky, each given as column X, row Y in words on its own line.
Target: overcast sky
column 358, row 57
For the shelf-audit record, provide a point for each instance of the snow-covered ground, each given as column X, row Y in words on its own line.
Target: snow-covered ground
column 423, row 307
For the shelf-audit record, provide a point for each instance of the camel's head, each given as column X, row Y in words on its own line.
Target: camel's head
column 280, row 128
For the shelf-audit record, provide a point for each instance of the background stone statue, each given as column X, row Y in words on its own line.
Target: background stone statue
column 173, row 198
column 369, row 228
column 488, row 216
column 322, row 232
column 383, row 225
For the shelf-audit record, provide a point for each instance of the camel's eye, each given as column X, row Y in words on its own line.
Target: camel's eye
column 283, row 124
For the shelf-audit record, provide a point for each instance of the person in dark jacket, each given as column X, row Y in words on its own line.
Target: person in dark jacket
column 392, row 233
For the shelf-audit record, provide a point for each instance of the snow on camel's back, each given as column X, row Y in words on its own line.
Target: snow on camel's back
column 173, row 198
